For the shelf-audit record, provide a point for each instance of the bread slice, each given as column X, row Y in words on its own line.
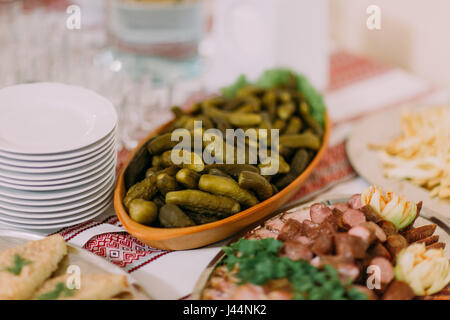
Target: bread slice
column 25, row 268
column 92, row 287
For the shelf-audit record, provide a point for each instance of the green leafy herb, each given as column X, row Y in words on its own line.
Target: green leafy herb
column 60, row 291
column 258, row 262
column 19, row 263
column 280, row 77
column 232, row 90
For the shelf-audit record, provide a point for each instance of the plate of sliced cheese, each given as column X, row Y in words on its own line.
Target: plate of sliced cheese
column 406, row 150
column 33, row 267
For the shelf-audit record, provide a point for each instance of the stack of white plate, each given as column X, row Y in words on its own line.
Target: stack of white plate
column 57, row 155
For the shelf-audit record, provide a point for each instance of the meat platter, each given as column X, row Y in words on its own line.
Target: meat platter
column 345, row 234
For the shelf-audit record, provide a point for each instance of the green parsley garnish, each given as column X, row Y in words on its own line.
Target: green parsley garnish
column 60, row 290
column 258, row 262
column 19, row 263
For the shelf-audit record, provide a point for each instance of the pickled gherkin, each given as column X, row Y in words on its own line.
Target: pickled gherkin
column 257, row 183
column 301, row 140
column 143, row 211
column 166, row 183
column 145, row 190
column 226, row 187
column 171, row 216
column 200, row 199
column 161, row 143
column 188, row 178
column 233, row 169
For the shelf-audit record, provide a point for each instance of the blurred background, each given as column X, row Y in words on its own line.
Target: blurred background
column 146, row 55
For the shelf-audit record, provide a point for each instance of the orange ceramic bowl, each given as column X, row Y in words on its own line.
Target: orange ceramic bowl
column 202, row 235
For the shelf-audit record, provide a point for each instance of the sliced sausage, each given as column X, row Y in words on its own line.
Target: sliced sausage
column 414, row 234
column 323, row 245
column 379, row 250
column 341, row 206
column 304, row 240
column 430, row 240
column 296, row 251
column 379, row 233
column 352, row 218
column 319, row 212
column 355, row 201
column 336, row 219
column 291, row 230
column 371, row 214
column 398, row 290
column 388, row 227
column 395, row 244
column 437, row 245
column 349, row 246
column 309, row 228
column 386, row 269
column 365, row 233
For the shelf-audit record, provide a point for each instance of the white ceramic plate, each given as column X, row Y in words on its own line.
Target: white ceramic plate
column 56, row 210
column 42, row 118
column 15, row 196
column 58, row 225
column 63, row 201
column 58, row 163
column 60, row 156
column 377, row 129
column 111, row 148
column 60, row 211
column 54, row 220
column 101, row 166
column 74, row 184
column 60, row 176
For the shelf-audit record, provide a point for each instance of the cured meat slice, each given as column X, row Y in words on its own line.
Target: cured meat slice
column 319, row 212
column 355, row 201
column 378, row 250
column 430, row 240
column 349, row 246
column 371, row 214
column 296, row 251
column 388, row 227
column 412, row 235
column 386, row 269
column 395, row 244
column 398, row 290
column 291, row 230
column 352, row 218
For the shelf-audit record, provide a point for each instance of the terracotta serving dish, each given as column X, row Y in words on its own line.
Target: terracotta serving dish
column 202, row 235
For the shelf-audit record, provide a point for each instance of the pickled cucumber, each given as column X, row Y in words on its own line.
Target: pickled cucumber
column 200, row 199
column 166, row 183
column 171, row 216
column 301, row 140
column 188, row 178
column 161, row 143
column 142, row 211
column 233, row 169
column 144, row 189
column 226, row 187
column 257, row 183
